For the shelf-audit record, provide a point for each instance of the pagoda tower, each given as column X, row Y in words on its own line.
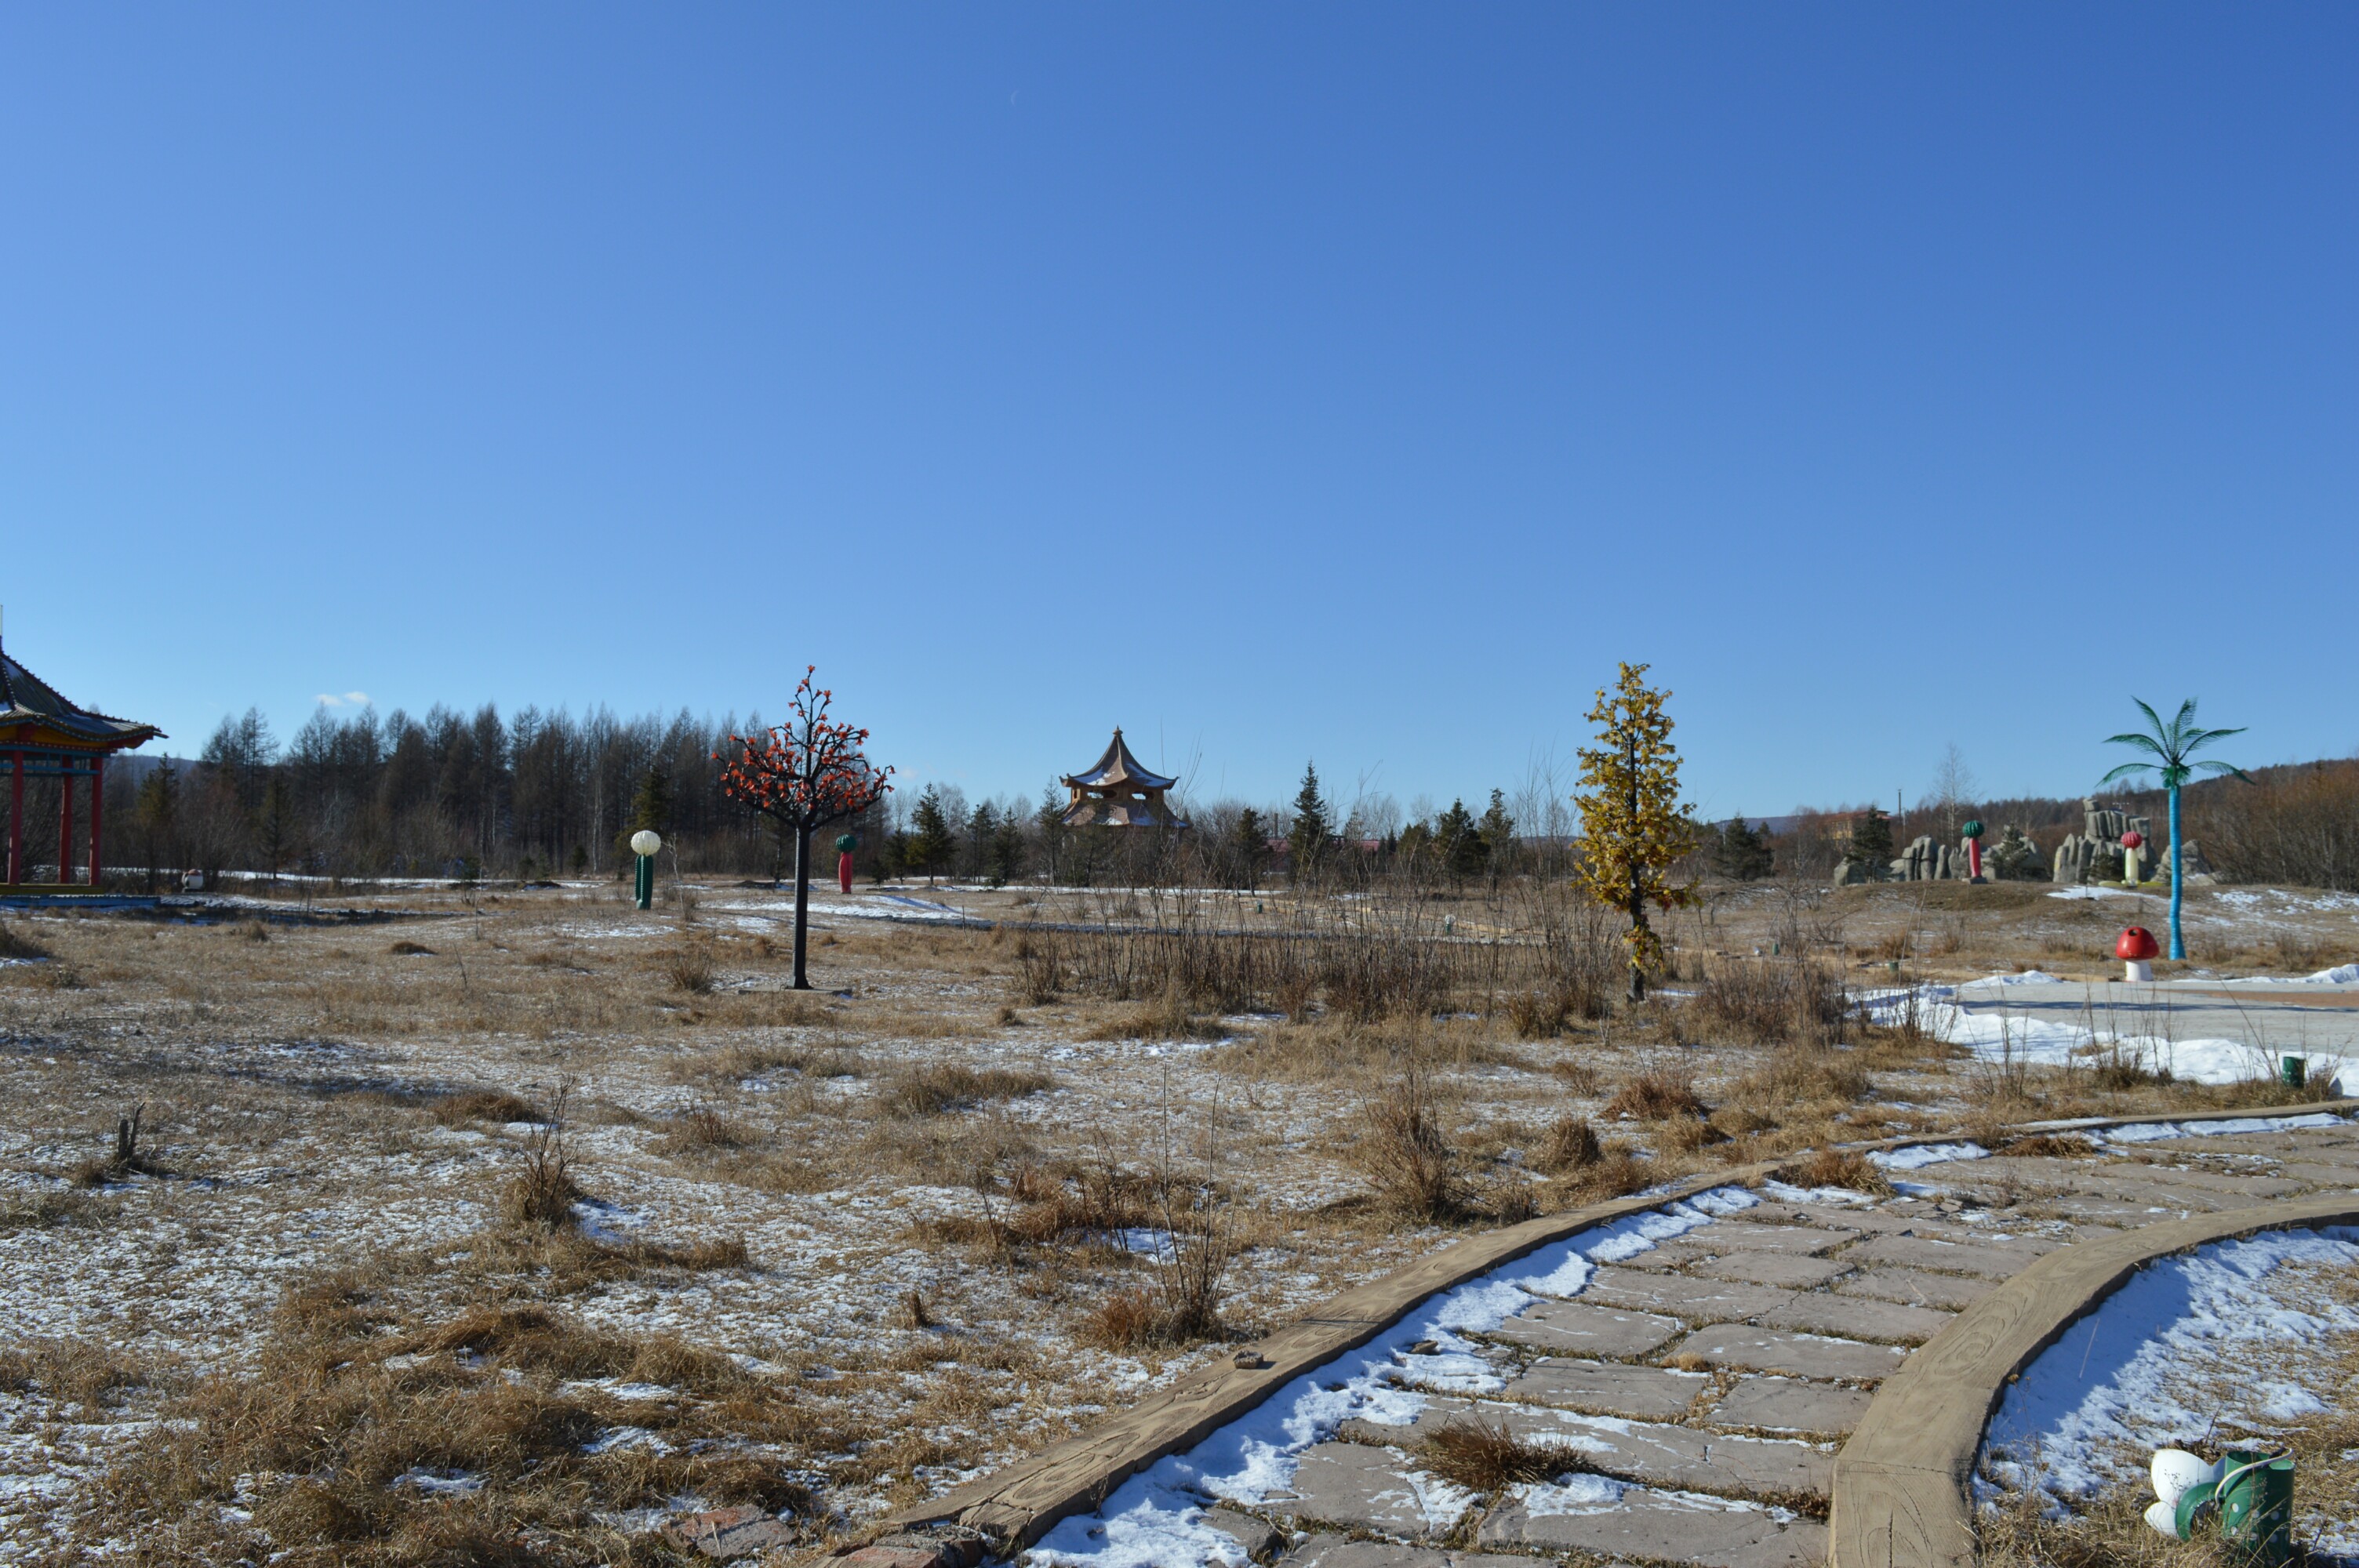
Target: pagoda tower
column 1118, row 792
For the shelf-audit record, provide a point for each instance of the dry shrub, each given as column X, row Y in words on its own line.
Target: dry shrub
column 68, row 1371
column 405, row 948
column 948, row 1085
column 497, row 1106
column 1837, row 1168
column 1800, row 1077
column 318, row 1431
column 1579, row 1078
column 2050, row 1146
column 1619, row 1173
column 1772, row 999
column 15, row 944
column 1485, row 1456
column 254, row 931
column 1687, row 1134
column 544, row 1190
column 1040, row 973
column 1657, row 1094
column 1124, row 1321
column 1542, row 1012
column 702, row 1129
column 127, row 1158
column 1569, row 1144
column 55, row 1211
column 1407, row 1155
column 690, row 968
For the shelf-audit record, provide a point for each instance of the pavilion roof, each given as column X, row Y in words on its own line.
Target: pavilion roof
column 1118, row 767
column 25, row 696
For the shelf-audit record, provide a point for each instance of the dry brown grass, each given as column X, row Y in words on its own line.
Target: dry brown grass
column 497, row 1106
column 15, row 944
column 1805, row 1078
column 69, row 1371
column 1845, row 1167
column 1485, row 1456
column 1569, row 1144
column 942, row 1086
column 1405, row 1154
column 1657, row 1094
column 1762, row 1001
column 691, row 967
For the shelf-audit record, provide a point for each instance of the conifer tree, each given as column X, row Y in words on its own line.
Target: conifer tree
column 1251, row 839
column 1633, row 825
column 931, row 838
column 1459, row 840
column 1007, row 857
column 1498, row 830
column 1314, row 826
column 157, row 812
column 274, row 824
column 1870, row 840
column 1740, row 852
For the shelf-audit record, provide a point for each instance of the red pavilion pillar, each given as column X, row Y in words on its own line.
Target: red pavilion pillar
column 17, row 822
column 97, row 799
column 65, row 819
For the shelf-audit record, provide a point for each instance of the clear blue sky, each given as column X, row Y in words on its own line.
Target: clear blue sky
column 1349, row 381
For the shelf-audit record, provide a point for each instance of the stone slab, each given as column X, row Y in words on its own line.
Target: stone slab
column 1338, row 1552
column 1741, row 1235
column 1790, row 1404
column 1681, row 1295
column 2091, row 1208
column 1651, row 1452
column 1802, row 1355
column 1833, row 1216
column 1912, row 1287
column 1260, row 1539
column 2320, row 1176
column 1376, row 1489
column 1645, row 1526
column 1785, row 1270
column 1988, row 1261
column 1859, row 1317
column 1653, row 1393
column 1582, row 1328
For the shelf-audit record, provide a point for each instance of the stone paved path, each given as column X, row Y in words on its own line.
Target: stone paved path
column 1698, row 1384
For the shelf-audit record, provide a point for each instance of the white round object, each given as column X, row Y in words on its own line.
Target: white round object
column 2164, row 1517
column 645, row 841
column 2177, row 1472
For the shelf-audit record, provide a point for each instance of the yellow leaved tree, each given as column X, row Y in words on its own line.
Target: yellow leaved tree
column 1633, row 827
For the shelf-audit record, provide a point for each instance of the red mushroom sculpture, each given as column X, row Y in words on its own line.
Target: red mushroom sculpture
column 2137, row 948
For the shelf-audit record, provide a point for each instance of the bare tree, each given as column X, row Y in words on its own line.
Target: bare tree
column 1953, row 788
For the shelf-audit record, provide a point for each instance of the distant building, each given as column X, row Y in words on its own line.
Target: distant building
column 44, row 736
column 1118, row 792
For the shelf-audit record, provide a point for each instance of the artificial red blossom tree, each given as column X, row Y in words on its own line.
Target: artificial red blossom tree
column 804, row 774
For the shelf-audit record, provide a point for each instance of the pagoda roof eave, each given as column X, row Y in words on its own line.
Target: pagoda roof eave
column 1118, row 767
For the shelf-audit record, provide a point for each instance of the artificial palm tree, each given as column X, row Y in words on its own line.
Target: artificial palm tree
column 2171, row 747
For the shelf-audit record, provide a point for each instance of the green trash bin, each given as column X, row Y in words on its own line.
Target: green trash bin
column 2294, row 1070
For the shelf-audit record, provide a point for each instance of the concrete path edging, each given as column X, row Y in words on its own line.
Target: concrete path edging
column 1018, row 1503
column 1906, row 1505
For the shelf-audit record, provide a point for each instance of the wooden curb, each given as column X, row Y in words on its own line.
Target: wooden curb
column 1899, row 1495
column 1016, row 1506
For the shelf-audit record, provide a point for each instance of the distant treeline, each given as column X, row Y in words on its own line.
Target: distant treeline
column 546, row 794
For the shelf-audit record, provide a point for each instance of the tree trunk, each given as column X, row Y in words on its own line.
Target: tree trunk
column 802, row 907
column 1637, row 924
column 2177, row 943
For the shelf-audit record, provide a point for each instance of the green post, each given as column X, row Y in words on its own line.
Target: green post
column 2257, row 1507
column 644, row 843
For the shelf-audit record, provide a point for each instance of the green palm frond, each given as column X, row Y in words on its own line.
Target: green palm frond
column 2172, row 746
column 2126, row 769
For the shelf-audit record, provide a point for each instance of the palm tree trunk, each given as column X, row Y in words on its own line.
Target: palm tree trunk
column 802, row 904
column 2178, row 883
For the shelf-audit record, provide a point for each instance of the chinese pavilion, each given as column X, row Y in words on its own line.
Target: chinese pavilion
column 44, row 736
column 1118, row 792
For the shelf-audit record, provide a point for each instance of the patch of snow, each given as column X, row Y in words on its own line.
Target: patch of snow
column 1924, row 1154
column 2114, row 1381
column 1568, row 1495
column 2341, row 975
column 2150, row 1131
column 441, row 1482
column 616, row 1437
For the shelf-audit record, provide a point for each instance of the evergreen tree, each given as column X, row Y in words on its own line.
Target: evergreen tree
column 1006, row 849
column 1740, row 852
column 1633, row 827
column 931, row 840
column 982, row 828
column 651, row 804
column 1251, row 841
column 1313, row 826
column 1459, row 840
column 1498, row 830
column 1871, row 838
